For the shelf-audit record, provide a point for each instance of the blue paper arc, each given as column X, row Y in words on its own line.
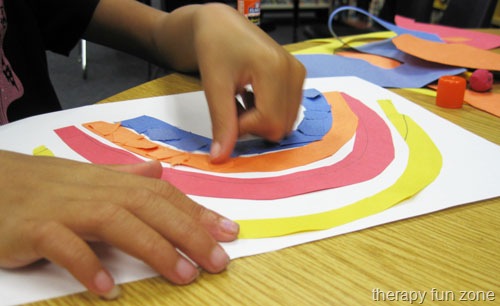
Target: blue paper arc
column 317, row 121
column 389, row 26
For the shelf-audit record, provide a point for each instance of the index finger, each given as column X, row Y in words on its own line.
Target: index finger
column 220, row 94
column 277, row 100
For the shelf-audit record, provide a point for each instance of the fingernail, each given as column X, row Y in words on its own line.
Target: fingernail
column 219, row 259
column 105, row 283
column 215, row 150
column 229, row 226
column 113, row 294
column 186, row 271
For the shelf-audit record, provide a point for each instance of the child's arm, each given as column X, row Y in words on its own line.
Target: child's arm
column 227, row 50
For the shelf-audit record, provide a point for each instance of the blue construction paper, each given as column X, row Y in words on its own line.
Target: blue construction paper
column 316, row 123
column 413, row 72
column 386, row 48
column 142, row 124
column 160, row 134
column 315, row 104
column 311, row 93
column 317, row 115
column 313, row 127
column 176, row 137
column 295, row 139
column 193, row 142
column 389, row 26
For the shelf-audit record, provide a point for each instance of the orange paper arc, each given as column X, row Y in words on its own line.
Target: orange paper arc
column 343, row 129
column 458, row 55
column 451, row 91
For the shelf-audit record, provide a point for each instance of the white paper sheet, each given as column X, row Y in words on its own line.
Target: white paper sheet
column 471, row 172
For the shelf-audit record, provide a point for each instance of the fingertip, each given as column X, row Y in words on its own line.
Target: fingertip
column 218, row 153
column 219, row 260
column 229, row 230
column 113, row 294
column 59, row 244
column 105, row 286
column 215, row 150
column 153, row 169
column 186, row 271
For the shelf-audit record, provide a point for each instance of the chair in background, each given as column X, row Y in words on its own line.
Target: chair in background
column 469, row 13
column 420, row 10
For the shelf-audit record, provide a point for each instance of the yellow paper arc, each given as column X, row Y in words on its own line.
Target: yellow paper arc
column 424, row 165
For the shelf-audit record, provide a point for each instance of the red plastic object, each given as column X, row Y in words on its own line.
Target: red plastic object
column 451, row 91
column 481, row 80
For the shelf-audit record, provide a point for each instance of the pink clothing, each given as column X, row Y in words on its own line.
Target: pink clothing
column 11, row 87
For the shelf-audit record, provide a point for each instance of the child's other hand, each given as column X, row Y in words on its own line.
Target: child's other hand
column 51, row 208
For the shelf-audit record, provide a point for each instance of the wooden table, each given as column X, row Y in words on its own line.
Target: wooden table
column 451, row 250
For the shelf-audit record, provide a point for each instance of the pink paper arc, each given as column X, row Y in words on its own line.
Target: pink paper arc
column 372, row 153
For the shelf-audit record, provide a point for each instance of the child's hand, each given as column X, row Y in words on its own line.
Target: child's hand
column 227, row 50
column 51, row 208
column 233, row 53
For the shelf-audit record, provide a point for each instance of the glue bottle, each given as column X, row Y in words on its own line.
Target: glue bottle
column 251, row 10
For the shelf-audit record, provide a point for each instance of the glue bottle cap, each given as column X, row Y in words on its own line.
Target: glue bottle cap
column 451, row 91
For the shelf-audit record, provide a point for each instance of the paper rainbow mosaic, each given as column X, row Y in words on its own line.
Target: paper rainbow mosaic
column 333, row 119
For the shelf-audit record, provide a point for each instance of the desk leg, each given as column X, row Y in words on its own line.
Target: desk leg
column 295, row 20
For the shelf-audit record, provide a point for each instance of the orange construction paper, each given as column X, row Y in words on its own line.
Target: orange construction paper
column 455, row 40
column 376, row 60
column 486, row 101
column 459, row 55
column 343, row 128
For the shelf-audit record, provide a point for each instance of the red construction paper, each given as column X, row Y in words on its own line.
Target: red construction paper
column 93, row 150
column 372, row 153
column 423, row 167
